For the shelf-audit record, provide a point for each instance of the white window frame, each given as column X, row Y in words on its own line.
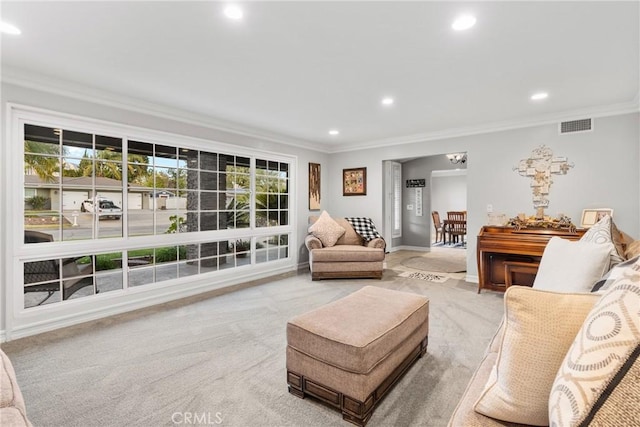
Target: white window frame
column 23, row 322
column 396, row 190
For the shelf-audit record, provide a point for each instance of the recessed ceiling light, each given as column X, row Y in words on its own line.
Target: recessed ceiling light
column 7, row 28
column 233, row 12
column 538, row 96
column 387, row 101
column 464, row 22
column 333, row 132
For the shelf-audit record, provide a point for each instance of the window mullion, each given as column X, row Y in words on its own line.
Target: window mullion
column 124, row 263
column 252, row 205
column 252, row 193
column 94, row 191
column 125, row 188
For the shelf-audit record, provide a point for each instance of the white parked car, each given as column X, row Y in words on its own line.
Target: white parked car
column 106, row 208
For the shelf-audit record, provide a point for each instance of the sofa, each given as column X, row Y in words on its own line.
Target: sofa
column 563, row 358
column 12, row 409
column 336, row 251
column 614, row 402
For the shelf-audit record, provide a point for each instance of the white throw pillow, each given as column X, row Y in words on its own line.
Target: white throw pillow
column 605, row 232
column 568, row 266
column 327, row 230
column 534, row 342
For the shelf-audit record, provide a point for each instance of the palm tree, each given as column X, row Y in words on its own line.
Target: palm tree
column 108, row 165
column 42, row 159
column 109, row 170
column 86, row 166
column 137, row 166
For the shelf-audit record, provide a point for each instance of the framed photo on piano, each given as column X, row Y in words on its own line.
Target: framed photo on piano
column 590, row 217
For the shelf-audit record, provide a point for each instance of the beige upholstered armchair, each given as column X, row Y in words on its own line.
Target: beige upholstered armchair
column 335, row 254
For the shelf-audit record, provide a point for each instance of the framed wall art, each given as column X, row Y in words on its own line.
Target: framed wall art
column 591, row 216
column 354, row 182
column 314, row 186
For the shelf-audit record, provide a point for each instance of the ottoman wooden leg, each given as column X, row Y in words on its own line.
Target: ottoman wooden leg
column 295, row 384
column 354, row 411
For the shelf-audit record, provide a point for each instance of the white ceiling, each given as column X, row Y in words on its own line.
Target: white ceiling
column 298, row 69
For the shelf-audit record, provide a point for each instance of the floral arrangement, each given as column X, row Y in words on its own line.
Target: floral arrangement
column 563, row 222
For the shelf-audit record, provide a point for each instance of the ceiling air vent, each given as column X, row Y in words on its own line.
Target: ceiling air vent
column 583, row 125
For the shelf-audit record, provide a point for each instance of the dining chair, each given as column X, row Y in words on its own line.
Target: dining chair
column 438, row 225
column 457, row 225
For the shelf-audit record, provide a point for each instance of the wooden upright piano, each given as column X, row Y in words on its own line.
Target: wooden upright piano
column 497, row 245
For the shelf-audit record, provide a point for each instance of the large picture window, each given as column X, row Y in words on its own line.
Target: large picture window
column 227, row 210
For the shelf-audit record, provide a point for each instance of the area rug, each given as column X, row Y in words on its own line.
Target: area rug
column 451, row 262
column 459, row 245
column 429, row 277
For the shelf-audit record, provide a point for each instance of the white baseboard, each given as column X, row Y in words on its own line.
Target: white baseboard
column 472, row 278
column 3, row 336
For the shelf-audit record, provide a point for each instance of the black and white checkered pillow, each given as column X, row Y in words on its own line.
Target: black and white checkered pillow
column 364, row 227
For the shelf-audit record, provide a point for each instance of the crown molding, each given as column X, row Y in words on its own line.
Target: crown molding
column 91, row 94
column 594, row 112
column 94, row 95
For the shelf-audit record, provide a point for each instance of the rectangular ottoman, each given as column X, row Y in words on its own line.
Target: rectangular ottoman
column 349, row 353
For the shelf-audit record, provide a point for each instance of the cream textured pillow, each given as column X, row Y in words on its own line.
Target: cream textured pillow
column 633, row 249
column 605, row 232
column 601, row 356
column 568, row 266
column 327, row 230
column 539, row 327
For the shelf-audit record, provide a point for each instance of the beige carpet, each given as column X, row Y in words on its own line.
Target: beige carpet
column 222, row 359
column 448, row 261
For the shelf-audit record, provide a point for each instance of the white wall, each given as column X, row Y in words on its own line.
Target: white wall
column 449, row 192
column 606, row 173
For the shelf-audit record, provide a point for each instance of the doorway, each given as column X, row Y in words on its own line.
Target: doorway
column 416, row 225
column 448, row 193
